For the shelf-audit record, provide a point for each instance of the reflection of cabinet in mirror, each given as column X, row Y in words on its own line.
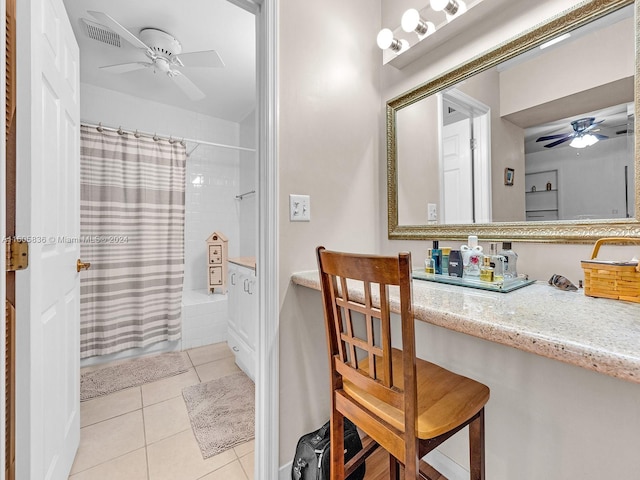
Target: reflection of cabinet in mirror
column 541, row 202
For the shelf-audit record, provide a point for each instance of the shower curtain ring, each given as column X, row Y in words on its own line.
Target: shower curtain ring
column 183, row 143
column 171, row 140
column 155, row 137
column 99, row 127
column 136, row 134
column 120, row 131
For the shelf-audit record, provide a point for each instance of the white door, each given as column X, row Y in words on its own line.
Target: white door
column 47, row 211
column 457, row 192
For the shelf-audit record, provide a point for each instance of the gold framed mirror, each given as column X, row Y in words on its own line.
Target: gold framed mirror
column 489, row 224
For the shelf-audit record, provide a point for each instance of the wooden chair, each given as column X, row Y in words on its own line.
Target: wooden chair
column 406, row 405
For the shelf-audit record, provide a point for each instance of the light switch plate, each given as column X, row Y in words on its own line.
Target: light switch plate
column 299, row 208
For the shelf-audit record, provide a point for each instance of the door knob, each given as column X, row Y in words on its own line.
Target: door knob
column 80, row 265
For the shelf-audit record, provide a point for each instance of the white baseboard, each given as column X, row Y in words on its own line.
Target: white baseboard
column 285, row 471
column 436, row 459
column 446, row 466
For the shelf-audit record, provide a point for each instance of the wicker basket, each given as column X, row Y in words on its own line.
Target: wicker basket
column 617, row 280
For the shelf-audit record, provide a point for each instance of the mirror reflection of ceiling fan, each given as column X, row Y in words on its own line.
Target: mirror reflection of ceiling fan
column 161, row 50
column 583, row 134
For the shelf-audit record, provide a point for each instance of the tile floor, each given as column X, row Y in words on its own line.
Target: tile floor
column 143, row 433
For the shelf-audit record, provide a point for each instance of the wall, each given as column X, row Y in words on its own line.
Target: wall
column 248, row 174
column 562, row 71
column 417, row 154
column 329, row 118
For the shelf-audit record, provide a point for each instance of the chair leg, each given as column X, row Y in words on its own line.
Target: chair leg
column 394, row 468
column 337, row 445
column 476, row 447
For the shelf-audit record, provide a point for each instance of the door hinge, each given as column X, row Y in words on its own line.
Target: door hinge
column 17, row 255
column 473, row 143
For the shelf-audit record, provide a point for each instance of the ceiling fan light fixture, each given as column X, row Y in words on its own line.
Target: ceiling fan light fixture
column 582, row 141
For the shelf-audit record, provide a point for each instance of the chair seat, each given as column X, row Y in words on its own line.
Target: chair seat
column 445, row 399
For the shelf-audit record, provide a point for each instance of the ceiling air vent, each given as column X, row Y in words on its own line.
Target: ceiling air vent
column 100, row 33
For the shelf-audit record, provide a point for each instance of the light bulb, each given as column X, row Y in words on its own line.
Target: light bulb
column 578, row 142
column 412, row 22
column 385, row 38
column 460, row 9
column 439, row 5
column 590, row 139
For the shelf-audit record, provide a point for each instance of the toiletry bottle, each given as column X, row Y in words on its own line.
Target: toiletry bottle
column 497, row 262
column 471, row 257
column 446, row 251
column 436, row 254
column 510, row 260
column 486, row 270
column 455, row 263
column 429, row 265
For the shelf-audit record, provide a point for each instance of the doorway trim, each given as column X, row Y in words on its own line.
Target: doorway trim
column 3, row 208
column 267, row 373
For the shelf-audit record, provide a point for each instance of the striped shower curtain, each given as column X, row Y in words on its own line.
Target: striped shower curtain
column 132, row 233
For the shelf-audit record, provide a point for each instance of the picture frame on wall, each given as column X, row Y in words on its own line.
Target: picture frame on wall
column 508, row 176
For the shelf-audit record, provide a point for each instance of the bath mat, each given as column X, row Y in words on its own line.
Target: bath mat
column 132, row 373
column 222, row 412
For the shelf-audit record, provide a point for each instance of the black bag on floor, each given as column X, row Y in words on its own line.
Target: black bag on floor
column 313, row 458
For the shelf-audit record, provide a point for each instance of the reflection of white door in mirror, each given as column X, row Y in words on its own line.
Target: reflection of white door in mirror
column 465, row 158
column 457, row 190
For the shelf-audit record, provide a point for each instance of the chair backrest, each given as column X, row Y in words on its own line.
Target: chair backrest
column 364, row 357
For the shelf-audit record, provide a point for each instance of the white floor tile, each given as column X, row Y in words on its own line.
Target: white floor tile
column 179, row 457
column 161, row 420
column 131, row 466
column 108, row 440
column 102, row 408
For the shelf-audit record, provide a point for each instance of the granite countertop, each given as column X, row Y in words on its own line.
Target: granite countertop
column 249, row 262
column 594, row 333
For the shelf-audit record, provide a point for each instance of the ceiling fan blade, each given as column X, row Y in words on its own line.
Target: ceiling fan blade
column 125, row 67
column 108, row 21
column 600, row 137
column 552, row 137
column 553, row 144
column 592, row 126
column 203, row 59
column 187, row 86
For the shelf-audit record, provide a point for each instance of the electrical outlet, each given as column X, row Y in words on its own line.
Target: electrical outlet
column 299, row 208
column 432, row 212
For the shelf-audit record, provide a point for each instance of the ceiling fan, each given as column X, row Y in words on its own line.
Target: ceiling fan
column 162, row 51
column 581, row 136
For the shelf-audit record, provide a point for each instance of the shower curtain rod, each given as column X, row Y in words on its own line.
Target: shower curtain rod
column 155, row 136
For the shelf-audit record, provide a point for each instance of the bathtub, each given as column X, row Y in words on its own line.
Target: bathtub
column 204, row 318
